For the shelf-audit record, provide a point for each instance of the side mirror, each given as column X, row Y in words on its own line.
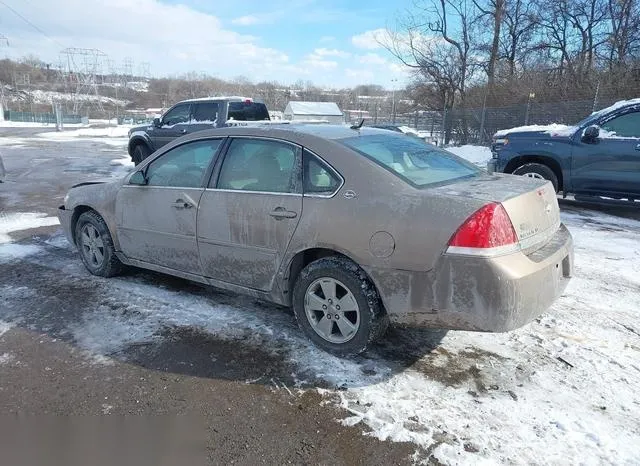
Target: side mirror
column 591, row 134
column 157, row 123
column 138, row 179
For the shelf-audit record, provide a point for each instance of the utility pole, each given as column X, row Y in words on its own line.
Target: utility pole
column 393, row 100
column 526, row 115
column 595, row 98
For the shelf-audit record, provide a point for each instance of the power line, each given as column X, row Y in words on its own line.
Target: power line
column 30, row 23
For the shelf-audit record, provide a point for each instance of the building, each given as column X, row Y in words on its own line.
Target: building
column 326, row 111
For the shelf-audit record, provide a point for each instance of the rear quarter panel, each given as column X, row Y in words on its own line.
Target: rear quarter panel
column 387, row 226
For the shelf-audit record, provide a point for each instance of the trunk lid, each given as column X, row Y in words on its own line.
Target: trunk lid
column 531, row 204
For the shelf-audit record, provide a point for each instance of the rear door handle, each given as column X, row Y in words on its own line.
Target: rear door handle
column 183, row 131
column 280, row 213
column 638, row 147
column 181, row 204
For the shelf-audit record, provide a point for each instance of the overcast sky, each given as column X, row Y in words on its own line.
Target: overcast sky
column 330, row 42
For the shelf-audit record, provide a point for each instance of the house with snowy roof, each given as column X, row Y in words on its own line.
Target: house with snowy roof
column 326, row 111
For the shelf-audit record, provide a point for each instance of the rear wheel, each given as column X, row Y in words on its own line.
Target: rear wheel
column 140, row 152
column 337, row 306
column 96, row 246
column 538, row 171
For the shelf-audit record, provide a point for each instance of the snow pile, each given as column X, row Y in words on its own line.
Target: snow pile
column 23, row 221
column 478, row 155
column 5, row 327
column 554, row 129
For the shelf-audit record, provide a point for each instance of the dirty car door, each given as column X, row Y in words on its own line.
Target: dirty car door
column 247, row 218
column 157, row 218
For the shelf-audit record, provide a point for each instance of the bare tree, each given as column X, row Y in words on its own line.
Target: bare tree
column 517, row 31
column 624, row 37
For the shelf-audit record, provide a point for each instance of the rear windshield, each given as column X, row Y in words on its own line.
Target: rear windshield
column 248, row 111
column 418, row 163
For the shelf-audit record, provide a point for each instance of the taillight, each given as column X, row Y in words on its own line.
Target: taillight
column 488, row 232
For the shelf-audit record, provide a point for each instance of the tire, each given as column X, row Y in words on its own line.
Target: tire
column 368, row 323
column 140, row 152
column 96, row 246
column 538, row 170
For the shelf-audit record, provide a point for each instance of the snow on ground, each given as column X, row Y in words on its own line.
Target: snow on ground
column 23, row 221
column 478, row 155
column 6, row 358
column 106, row 132
column 5, row 327
column 10, row 252
column 29, row 124
column 559, row 390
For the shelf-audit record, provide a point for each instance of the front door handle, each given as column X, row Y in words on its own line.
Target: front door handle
column 181, row 204
column 280, row 213
column 183, row 131
column 638, row 147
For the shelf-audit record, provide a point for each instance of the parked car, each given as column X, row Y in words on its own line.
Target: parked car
column 2, row 171
column 600, row 156
column 190, row 116
column 350, row 227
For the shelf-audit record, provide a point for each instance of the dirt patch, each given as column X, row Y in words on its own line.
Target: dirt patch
column 196, row 352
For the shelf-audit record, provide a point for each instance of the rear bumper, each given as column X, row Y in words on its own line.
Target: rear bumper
column 471, row 293
column 65, row 217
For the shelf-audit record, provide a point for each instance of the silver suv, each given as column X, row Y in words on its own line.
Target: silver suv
column 189, row 116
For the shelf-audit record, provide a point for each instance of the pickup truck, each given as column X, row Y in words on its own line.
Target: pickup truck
column 599, row 156
column 193, row 115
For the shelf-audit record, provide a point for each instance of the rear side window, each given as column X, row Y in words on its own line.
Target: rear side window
column 413, row 160
column 206, row 112
column 248, row 111
column 318, row 178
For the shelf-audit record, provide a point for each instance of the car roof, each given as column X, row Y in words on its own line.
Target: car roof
column 290, row 131
column 233, row 98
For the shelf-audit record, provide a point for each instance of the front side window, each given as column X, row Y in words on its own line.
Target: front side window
column 206, row 112
column 259, row 165
column 183, row 166
column 248, row 111
column 418, row 163
column 177, row 115
column 317, row 177
column 624, row 126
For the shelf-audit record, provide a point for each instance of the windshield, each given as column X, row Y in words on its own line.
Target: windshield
column 418, row 163
column 248, row 111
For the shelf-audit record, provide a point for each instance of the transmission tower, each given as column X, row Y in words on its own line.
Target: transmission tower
column 127, row 66
column 145, row 69
column 82, row 69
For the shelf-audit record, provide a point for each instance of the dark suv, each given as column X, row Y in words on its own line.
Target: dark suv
column 600, row 156
column 190, row 116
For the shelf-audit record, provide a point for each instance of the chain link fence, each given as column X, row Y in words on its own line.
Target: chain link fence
column 478, row 125
column 34, row 117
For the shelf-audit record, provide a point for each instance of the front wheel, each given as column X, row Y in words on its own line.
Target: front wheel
column 337, row 306
column 140, row 152
column 96, row 246
column 538, row 171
